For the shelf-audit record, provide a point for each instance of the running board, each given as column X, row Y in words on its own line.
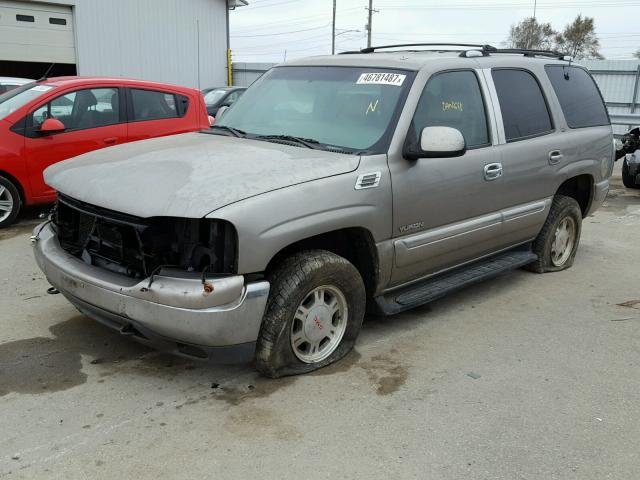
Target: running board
column 433, row 288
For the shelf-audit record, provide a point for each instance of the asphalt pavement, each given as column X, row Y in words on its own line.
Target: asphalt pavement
column 522, row 377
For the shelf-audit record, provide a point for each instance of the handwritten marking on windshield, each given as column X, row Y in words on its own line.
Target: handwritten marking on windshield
column 372, row 107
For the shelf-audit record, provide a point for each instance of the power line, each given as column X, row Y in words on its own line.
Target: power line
column 280, row 33
column 521, row 6
column 288, row 21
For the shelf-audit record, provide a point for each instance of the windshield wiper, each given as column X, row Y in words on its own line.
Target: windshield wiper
column 234, row 131
column 306, row 142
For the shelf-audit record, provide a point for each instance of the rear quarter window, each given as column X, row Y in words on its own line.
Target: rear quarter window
column 157, row 105
column 578, row 95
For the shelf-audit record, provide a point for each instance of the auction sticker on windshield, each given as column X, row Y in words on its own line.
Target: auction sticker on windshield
column 395, row 79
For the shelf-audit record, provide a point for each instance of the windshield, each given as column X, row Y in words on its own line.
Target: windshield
column 346, row 107
column 214, row 96
column 19, row 97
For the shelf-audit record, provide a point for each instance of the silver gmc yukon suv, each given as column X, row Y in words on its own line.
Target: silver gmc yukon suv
column 372, row 181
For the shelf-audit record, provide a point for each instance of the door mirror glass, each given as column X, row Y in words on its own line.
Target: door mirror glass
column 52, row 125
column 438, row 142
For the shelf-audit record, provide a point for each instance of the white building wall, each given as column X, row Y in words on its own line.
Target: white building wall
column 152, row 39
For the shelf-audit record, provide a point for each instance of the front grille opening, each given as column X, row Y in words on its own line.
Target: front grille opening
column 137, row 247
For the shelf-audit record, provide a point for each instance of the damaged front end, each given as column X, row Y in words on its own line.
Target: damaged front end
column 167, row 281
column 139, row 248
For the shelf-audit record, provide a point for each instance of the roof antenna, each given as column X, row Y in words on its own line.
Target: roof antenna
column 564, row 68
column 46, row 74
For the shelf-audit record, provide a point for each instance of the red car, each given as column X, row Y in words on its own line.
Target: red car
column 49, row 121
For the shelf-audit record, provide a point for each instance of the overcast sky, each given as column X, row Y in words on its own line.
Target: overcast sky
column 262, row 31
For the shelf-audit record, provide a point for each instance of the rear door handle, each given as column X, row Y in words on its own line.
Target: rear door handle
column 110, row 140
column 555, row 156
column 492, row 171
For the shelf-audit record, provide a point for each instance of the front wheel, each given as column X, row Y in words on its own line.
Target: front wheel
column 9, row 202
column 628, row 180
column 313, row 316
column 557, row 242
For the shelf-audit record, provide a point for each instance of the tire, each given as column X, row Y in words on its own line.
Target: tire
column 628, row 180
column 310, row 281
column 564, row 211
column 9, row 198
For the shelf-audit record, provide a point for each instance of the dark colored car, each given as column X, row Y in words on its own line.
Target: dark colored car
column 218, row 97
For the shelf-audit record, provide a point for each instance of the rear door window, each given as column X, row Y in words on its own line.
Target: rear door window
column 578, row 95
column 155, row 105
column 524, row 109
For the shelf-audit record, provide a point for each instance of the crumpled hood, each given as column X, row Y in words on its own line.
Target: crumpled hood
column 189, row 175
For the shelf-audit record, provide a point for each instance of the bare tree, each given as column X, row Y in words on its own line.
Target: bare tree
column 579, row 39
column 637, row 54
column 530, row 34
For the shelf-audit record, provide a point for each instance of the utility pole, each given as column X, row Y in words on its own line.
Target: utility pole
column 535, row 4
column 371, row 12
column 333, row 30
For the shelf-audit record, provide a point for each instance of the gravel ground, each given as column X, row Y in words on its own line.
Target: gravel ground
column 522, row 377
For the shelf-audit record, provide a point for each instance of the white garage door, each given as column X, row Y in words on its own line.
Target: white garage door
column 36, row 32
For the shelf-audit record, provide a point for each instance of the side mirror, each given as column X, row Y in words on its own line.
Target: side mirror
column 52, row 125
column 438, row 142
column 221, row 111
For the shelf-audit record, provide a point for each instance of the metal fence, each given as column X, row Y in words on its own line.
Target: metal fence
column 619, row 81
column 244, row 74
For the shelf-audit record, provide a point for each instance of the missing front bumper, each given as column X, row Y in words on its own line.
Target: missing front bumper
column 230, row 315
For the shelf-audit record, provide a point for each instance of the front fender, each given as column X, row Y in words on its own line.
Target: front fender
column 268, row 223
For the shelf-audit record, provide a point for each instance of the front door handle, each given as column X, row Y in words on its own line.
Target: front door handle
column 492, row 171
column 555, row 156
column 110, row 140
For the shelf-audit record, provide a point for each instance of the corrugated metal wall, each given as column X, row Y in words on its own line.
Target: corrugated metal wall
column 153, row 40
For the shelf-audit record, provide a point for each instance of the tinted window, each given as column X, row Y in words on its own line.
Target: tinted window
column 57, row 21
column 578, row 96
column 25, row 18
column 82, row 109
column 453, row 99
column 524, row 109
column 153, row 105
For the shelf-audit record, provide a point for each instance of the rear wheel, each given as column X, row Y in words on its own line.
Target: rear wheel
column 628, row 180
column 313, row 316
column 557, row 242
column 10, row 202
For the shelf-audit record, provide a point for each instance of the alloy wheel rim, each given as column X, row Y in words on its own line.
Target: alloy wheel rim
column 319, row 324
column 6, row 203
column 563, row 241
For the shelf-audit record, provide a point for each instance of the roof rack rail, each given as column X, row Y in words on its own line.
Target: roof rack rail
column 531, row 52
column 487, row 48
column 483, row 49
